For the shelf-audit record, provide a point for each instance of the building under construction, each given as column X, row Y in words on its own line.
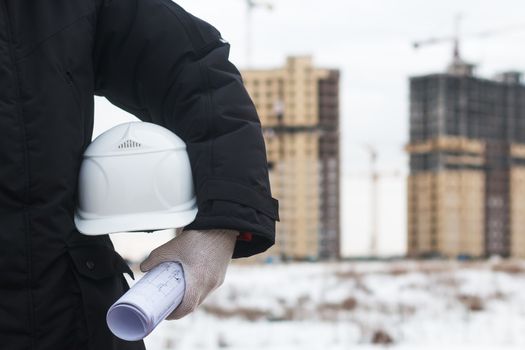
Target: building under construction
column 299, row 109
column 466, row 189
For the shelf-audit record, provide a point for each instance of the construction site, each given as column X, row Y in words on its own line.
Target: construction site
column 466, row 189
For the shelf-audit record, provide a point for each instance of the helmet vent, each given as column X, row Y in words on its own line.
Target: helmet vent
column 129, row 144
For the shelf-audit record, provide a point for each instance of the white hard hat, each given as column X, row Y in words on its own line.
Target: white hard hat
column 135, row 177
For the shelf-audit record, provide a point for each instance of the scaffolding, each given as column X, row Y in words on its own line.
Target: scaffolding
column 466, row 187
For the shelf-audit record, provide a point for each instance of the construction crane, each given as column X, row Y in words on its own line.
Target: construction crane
column 374, row 210
column 457, row 37
column 375, row 177
column 251, row 5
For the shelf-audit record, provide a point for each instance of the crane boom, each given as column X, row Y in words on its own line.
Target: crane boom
column 457, row 37
column 431, row 41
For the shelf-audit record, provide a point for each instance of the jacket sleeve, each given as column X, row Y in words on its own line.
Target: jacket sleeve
column 165, row 66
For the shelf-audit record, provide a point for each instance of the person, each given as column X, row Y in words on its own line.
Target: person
column 163, row 65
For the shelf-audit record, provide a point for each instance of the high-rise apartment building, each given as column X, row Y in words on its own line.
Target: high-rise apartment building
column 466, row 189
column 299, row 109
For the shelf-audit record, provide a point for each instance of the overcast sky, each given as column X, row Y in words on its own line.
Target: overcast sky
column 370, row 42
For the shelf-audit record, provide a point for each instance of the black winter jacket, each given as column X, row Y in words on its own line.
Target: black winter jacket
column 154, row 60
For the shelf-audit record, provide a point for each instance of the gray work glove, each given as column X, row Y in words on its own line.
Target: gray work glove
column 204, row 256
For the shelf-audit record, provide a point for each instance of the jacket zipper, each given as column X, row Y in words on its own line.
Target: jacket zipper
column 76, row 94
column 27, row 223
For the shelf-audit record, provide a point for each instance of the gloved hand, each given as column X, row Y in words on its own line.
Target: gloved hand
column 204, row 256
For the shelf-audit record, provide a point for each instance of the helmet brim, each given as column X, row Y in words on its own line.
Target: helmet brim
column 134, row 223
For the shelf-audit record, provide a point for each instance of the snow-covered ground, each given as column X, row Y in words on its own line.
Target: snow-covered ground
column 404, row 305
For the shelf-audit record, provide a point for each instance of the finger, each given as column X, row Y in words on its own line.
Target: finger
column 191, row 300
column 151, row 261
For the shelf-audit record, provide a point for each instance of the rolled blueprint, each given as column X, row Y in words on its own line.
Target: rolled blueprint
column 148, row 302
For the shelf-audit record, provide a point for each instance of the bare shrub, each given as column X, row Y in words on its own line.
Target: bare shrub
column 349, row 274
column 472, row 302
column 347, row 304
column 510, row 267
column 429, row 268
column 360, row 285
column 250, row 314
column 399, row 270
column 498, row 295
column 406, row 310
column 449, row 281
column 381, row 337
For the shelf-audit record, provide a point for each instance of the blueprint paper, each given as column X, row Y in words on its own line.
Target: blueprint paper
column 148, row 302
